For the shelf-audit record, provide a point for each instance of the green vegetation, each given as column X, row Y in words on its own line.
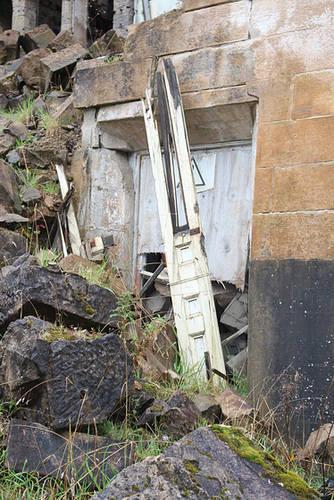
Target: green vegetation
column 114, row 58
column 46, row 257
column 48, row 122
column 61, row 332
column 149, row 442
column 27, row 179
column 52, row 188
column 23, row 113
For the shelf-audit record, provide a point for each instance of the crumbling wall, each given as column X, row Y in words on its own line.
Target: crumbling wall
column 106, row 204
column 231, row 55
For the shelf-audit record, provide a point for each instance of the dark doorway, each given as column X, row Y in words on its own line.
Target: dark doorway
column 50, row 13
column 6, row 12
column 100, row 18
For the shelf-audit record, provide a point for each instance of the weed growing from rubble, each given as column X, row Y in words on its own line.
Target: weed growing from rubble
column 52, row 188
column 46, row 257
column 23, row 113
column 125, row 312
column 149, row 442
column 48, row 122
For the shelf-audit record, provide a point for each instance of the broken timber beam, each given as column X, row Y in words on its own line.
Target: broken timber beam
column 73, row 227
column 234, row 335
column 190, row 284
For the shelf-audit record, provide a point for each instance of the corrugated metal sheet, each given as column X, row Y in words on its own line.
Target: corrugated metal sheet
column 156, row 8
column 225, row 209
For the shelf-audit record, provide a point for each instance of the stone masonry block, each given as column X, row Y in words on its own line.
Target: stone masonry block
column 263, row 189
column 37, row 38
column 271, row 18
column 63, row 382
column 214, row 67
column 180, row 32
column 118, row 81
column 63, row 40
column 9, row 45
column 306, row 236
column 304, row 187
column 278, row 92
column 295, row 142
column 294, row 52
column 64, row 58
column 202, row 4
column 313, row 94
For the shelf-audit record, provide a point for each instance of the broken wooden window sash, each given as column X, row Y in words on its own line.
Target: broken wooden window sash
column 191, row 290
column 169, row 163
column 73, row 228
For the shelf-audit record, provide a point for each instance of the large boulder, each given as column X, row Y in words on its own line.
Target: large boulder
column 59, row 381
column 49, row 292
column 33, row 447
column 203, row 466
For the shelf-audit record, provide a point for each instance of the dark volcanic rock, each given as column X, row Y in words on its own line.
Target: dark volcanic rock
column 177, row 416
column 48, row 292
column 9, row 192
column 63, row 382
column 32, row 447
column 199, row 466
column 208, row 407
column 12, row 245
column 155, row 478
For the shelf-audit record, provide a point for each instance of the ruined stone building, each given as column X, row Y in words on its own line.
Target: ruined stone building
column 257, row 80
column 257, row 86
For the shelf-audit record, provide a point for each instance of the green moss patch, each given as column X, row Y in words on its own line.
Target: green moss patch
column 272, row 470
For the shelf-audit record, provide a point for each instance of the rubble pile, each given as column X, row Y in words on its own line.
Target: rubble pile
column 39, row 126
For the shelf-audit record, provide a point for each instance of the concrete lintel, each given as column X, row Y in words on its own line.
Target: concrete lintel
column 122, row 111
column 190, row 100
column 207, row 125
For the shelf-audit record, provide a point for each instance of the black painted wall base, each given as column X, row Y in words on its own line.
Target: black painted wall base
column 291, row 342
